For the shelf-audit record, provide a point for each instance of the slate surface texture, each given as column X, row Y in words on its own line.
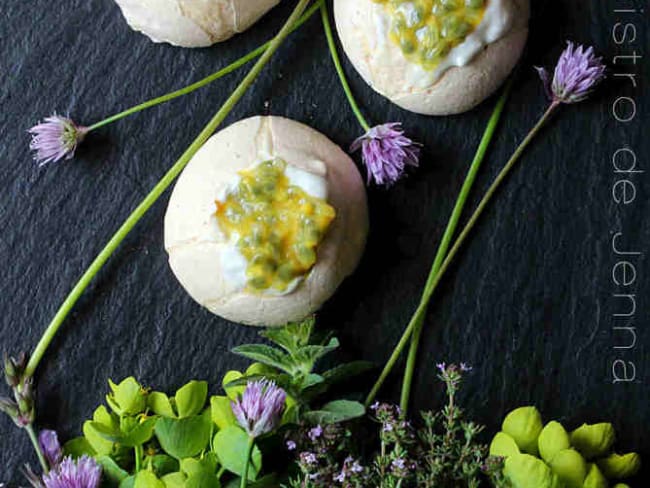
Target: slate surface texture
column 530, row 304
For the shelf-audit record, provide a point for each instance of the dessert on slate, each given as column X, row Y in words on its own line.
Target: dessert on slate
column 434, row 57
column 193, row 23
column 266, row 221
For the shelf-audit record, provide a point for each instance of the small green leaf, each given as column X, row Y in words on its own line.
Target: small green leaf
column 230, row 445
column 127, row 398
column 183, row 438
column 128, row 482
column 146, row 479
column 137, row 433
column 311, row 354
column 95, row 439
column 111, row 471
column 207, row 464
column 159, row 404
column 174, row 480
column 78, row 447
column 335, row 412
column 260, row 369
column 268, row 481
column 221, row 411
column 190, row 399
column 312, row 379
column 203, row 480
column 163, row 464
column 233, row 391
column 343, row 372
column 267, row 355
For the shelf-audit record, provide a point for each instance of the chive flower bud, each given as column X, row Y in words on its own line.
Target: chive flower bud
column 595, row 478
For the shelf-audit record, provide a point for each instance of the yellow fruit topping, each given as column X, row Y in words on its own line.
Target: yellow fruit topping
column 427, row 30
column 278, row 226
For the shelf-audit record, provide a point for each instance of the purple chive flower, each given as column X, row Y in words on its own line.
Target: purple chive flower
column 49, row 443
column 82, row 473
column 291, row 446
column 259, row 410
column 386, row 152
column 55, row 138
column 577, row 73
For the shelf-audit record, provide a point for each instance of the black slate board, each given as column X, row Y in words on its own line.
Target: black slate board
column 530, row 304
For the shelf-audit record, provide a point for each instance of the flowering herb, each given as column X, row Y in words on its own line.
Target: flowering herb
column 386, row 152
column 443, row 453
column 577, row 73
column 291, row 365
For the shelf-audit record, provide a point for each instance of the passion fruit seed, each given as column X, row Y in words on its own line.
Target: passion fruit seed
column 278, row 224
column 419, row 27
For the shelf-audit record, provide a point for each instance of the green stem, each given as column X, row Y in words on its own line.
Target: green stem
column 138, row 458
column 247, row 462
column 419, row 313
column 449, row 234
column 339, row 68
column 160, row 187
column 37, row 447
column 205, row 81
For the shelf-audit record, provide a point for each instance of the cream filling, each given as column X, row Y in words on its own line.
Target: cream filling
column 233, row 262
column 496, row 23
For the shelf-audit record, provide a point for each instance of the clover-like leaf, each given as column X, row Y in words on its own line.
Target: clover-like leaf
column 190, row 399
column 110, row 469
column 183, row 438
column 221, row 411
column 231, row 446
column 126, row 398
column 160, row 404
column 146, row 479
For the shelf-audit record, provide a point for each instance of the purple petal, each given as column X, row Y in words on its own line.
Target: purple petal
column 49, row 443
column 55, row 138
column 577, row 73
column 259, row 409
column 386, row 153
column 82, row 473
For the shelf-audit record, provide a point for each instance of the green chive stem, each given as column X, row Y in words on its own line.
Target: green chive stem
column 205, row 81
column 419, row 313
column 37, row 447
column 247, row 462
column 339, row 68
column 449, row 234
